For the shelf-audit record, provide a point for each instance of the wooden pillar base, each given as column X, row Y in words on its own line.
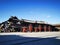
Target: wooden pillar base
column 35, row 28
column 49, row 28
column 40, row 28
column 45, row 28
column 30, row 27
column 24, row 29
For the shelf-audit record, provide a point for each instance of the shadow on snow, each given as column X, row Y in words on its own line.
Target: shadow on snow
column 20, row 40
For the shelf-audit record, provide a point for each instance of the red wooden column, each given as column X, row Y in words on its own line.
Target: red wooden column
column 24, row 29
column 30, row 27
column 49, row 28
column 40, row 28
column 35, row 28
column 45, row 28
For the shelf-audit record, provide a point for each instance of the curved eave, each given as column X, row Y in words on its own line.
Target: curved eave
column 38, row 23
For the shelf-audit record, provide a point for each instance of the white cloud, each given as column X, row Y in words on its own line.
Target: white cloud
column 48, row 16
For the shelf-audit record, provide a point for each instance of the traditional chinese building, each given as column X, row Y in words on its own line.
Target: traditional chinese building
column 13, row 24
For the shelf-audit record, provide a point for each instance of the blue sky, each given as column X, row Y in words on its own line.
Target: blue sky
column 40, row 10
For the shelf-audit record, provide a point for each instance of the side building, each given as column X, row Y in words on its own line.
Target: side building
column 13, row 24
column 57, row 26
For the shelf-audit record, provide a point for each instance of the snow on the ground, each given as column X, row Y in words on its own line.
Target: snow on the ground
column 30, row 38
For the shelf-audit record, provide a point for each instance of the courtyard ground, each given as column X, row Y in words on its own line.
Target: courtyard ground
column 30, row 38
